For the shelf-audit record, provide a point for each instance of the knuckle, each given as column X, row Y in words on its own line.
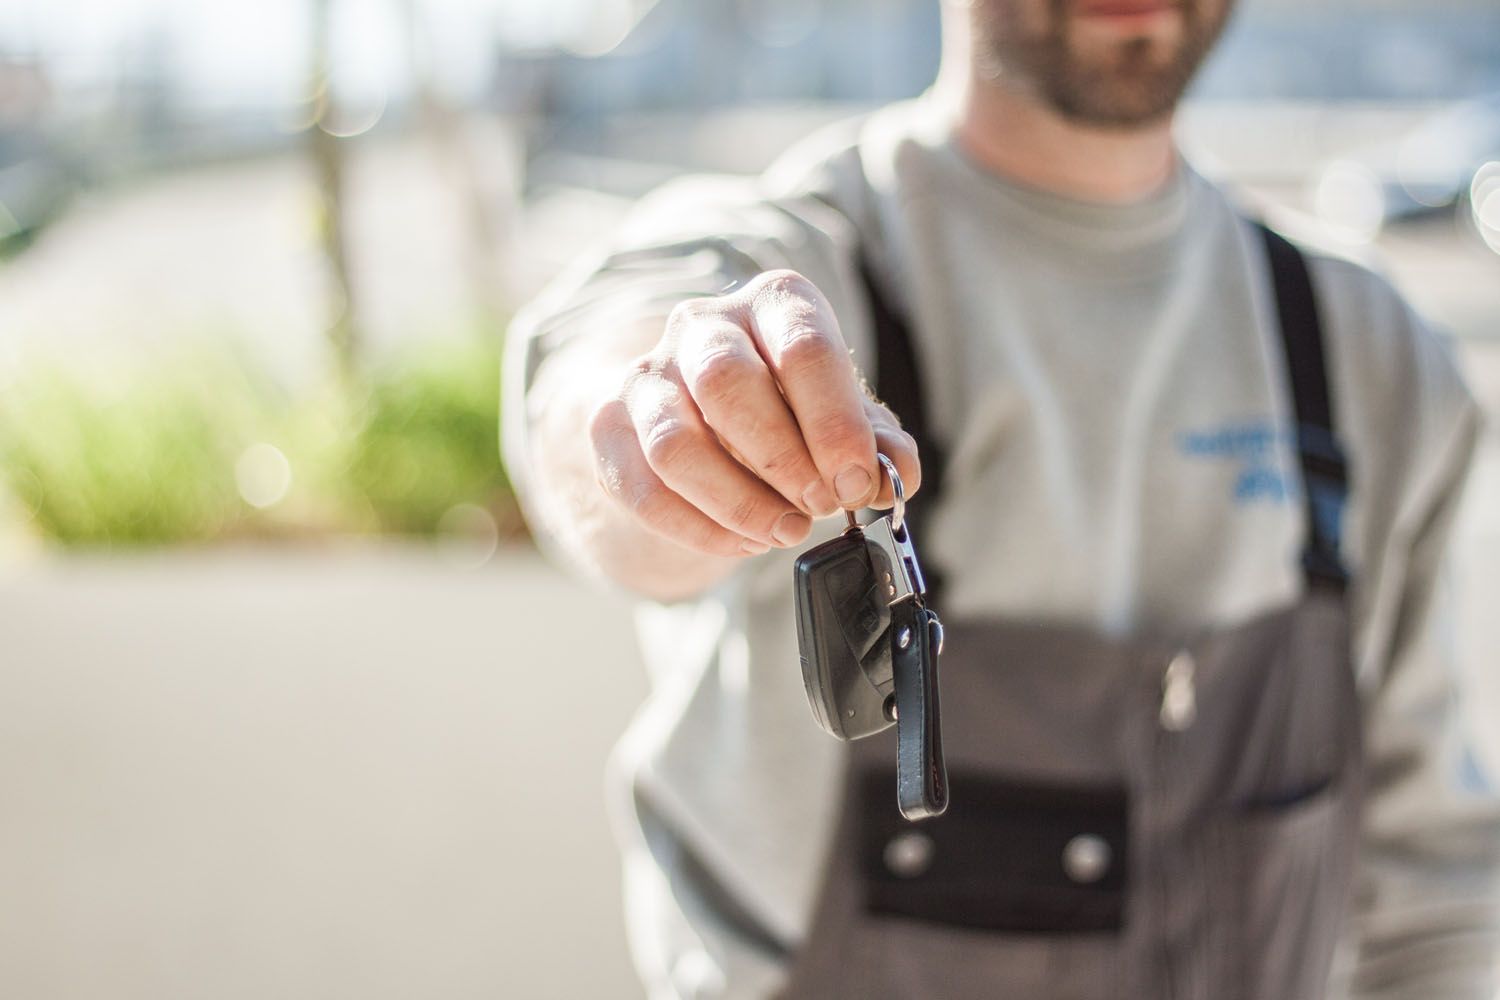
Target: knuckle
column 687, row 312
column 805, row 350
column 642, row 370
column 722, row 376
column 782, row 283
column 707, row 537
column 669, row 444
column 646, row 502
column 839, row 431
column 674, row 521
column 650, row 504
column 606, row 422
column 745, row 515
column 609, row 477
column 786, row 456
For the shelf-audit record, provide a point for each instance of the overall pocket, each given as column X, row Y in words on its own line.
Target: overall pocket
column 1279, row 884
column 1007, row 856
column 1018, row 890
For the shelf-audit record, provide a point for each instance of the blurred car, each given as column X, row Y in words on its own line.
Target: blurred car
column 35, row 179
column 34, row 189
column 1449, row 163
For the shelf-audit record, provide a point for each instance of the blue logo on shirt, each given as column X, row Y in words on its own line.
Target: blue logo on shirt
column 1255, row 446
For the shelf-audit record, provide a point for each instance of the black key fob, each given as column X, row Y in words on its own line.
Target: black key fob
column 869, row 648
column 843, row 621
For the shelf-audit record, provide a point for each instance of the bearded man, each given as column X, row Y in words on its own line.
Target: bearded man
column 1187, row 490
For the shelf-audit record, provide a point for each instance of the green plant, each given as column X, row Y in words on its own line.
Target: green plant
column 426, row 438
column 179, row 448
column 105, row 456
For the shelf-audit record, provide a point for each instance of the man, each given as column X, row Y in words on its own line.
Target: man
column 1188, row 506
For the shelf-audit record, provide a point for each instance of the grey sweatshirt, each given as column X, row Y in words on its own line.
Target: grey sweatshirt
column 1110, row 388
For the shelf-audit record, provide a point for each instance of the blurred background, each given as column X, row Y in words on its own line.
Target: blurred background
column 288, row 705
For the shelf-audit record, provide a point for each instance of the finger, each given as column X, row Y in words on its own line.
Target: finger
column 901, row 448
column 623, row 473
column 799, row 338
column 684, row 452
column 737, row 396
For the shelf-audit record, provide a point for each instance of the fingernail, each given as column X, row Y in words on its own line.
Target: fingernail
column 753, row 548
column 852, row 485
column 792, row 528
column 819, row 500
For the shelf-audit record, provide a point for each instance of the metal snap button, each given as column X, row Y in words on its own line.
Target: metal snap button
column 1179, row 696
column 1086, row 858
column 909, row 854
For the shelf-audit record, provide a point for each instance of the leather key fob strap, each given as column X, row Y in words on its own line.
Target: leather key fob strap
column 921, row 776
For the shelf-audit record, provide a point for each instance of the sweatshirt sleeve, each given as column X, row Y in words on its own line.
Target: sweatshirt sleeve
column 1426, row 922
column 655, row 259
column 695, row 236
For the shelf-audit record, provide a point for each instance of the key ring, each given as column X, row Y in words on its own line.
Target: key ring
column 898, row 492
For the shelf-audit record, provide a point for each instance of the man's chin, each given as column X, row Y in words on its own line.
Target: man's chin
column 1118, row 116
column 1126, row 84
column 1109, row 63
column 1099, row 48
column 1121, row 100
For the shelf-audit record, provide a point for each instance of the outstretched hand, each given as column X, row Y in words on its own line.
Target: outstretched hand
column 745, row 421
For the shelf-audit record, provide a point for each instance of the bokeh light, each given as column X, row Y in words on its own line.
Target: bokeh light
column 467, row 536
column 263, row 475
column 1484, row 203
column 1348, row 197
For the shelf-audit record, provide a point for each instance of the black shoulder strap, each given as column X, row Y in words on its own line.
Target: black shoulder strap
column 898, row 375
column 1325, row 473
column 898, row 384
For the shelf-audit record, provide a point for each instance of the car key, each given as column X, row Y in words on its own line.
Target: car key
column 869, row 647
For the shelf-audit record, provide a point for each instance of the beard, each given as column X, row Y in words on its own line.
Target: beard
column 1121, row 83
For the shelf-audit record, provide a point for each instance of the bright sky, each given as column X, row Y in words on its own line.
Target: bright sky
column 254, row 51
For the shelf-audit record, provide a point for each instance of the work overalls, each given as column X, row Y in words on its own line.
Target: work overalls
column 1128, row 819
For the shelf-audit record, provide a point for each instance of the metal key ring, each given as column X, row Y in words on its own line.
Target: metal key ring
column 898, row 492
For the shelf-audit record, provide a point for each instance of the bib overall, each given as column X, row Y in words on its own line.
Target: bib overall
column 1128, row 819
